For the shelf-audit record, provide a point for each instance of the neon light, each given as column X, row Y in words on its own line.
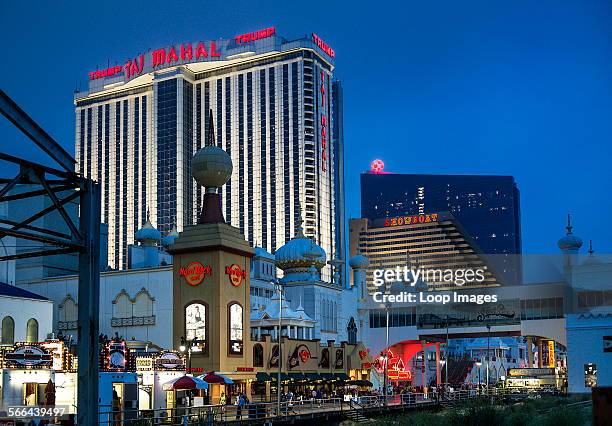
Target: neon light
column 377, row 166
column 323, row 46
column 408, row 220
column 245, row 38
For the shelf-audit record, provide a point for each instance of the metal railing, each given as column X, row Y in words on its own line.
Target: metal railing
column 260, row 411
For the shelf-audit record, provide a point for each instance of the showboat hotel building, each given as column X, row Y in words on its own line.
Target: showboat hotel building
column 275, row 110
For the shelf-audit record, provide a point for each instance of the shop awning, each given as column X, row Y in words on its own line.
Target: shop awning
column 313, row 376
column 185, row 382
column 327, row 376
column 263, row 377
column 360, row 383
column 216, row 379
column 284, row 376
column 298, row 376
column 342, row 376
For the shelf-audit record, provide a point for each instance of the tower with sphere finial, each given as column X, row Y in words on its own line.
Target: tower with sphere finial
column 211, row 294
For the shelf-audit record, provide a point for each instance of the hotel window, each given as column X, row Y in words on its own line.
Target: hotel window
column 258, row 355
column 234, row 311
column 32, row 331
column 195, row 323
column 8, row 331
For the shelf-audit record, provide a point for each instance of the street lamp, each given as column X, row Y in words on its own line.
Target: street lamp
column 279, row 287
column 488, row 354
column 387, row 306
column 186, row 345
column 478, row 364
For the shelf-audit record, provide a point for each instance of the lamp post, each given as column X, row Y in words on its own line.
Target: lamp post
column 488, row 354
column 278, row 286
column 386, row 354
column 186, row 345
column 478, row 364
column 446, row 356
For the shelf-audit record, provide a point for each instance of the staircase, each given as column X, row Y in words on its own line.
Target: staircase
column 458, row 369
column 356, row 415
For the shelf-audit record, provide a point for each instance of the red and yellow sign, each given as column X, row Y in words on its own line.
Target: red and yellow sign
column 408, row 220
column 304, row 354
column 236, row 274
column 195, row 272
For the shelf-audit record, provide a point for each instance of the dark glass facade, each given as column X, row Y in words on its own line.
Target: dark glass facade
column 487, row 207
column 166, row 153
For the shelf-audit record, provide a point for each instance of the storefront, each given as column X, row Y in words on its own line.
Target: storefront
column 37, row 374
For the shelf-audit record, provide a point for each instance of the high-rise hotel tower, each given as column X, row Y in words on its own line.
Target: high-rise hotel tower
column 273, row 105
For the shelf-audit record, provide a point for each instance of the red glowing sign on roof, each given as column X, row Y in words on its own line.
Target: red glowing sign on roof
column 377, row 166
column 245, row 38
column 323, row 46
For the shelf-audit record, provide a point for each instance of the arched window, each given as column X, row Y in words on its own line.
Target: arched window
column 143, row 304
column 8, row 331
column 195, row 323
column 352, row 331
column 122, row 305
column 32, row 330
column 258, row 356
column 234, row 313
column 68, row 310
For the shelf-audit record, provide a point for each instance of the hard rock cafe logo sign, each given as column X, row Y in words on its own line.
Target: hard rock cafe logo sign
column 195, row 272
column 236, row 274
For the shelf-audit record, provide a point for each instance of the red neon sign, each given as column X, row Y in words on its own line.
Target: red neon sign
column 323, row 125
column 407, row 220
column 108, row 72
column 323, row 46
column 247, row 37
column 236, row 274
column 195, row 272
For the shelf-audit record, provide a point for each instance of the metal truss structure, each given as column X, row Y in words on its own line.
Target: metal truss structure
column 83, row 238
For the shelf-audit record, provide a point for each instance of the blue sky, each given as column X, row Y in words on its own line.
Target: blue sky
column 519, row 88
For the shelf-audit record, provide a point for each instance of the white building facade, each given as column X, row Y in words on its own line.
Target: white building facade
column 270, row 101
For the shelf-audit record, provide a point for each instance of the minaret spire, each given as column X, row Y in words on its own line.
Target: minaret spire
column 210, row 138
column 569, row 226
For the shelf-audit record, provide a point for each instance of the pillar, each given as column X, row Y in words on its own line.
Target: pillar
column 529, row 352
column 539, row 343
column 438, row 372
column 423, row 368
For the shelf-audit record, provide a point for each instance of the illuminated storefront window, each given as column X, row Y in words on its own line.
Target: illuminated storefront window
column 195, row 322
column 235, row 329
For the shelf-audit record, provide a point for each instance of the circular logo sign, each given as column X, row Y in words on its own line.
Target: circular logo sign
column 195, row 273
column 236, row 274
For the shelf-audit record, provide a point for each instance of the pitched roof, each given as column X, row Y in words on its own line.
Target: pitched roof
column 13, row 291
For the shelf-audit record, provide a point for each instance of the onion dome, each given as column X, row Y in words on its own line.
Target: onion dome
column 148, row 234
column 569, row 242
column 301, row 251
column 168, row 240
column 359, row 261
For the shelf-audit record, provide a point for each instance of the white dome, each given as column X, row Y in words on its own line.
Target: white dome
column 211, row 167
column 148, row 233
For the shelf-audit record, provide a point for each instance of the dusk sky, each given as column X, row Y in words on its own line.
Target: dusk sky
column 516, row 88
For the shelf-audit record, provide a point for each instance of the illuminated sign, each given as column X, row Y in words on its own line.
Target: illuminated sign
column 396, row 369
column 408, row 220
column 518, row 372
column 244, row 369
column 323, row 125
column 183, row 53
column 28, row 356
column 115, row 356
column 169, row 361
column 108, row 72
column 377, row 166
column 323, row 46
column 195, row 272
column 245, row 38
column 236, row 274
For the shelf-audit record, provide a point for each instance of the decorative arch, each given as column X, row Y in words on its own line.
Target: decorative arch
column 351, row 330
column 143, row 304
column 196, row 323
column 68, row 309
column 8, row 330
column 122, row 305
